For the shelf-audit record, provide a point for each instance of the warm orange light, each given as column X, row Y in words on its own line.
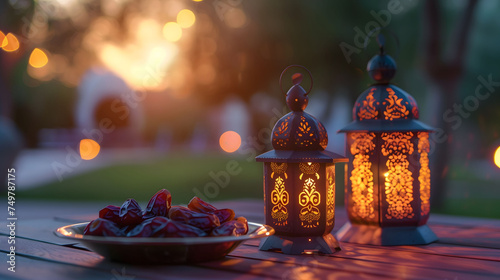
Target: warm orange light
column 2, row 38
column 186, row 18
column 230, row 141
column 397, row 146
column 89, row 149
column 10, row 43
column 496, row 158
column 143, row 66
column 206, row 74
column 361, row 176
column 235, row 18
column 38, row 58
column 172, row 31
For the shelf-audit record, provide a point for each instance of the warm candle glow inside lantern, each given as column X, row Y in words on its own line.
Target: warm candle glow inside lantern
column 299, row 181
column 388, row 192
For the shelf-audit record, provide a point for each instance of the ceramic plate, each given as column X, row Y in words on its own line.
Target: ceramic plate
column 154, row 250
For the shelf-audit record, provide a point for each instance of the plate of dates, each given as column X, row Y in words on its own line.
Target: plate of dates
column 162, row 233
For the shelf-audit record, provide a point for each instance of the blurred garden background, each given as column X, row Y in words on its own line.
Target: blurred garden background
column 102, row 100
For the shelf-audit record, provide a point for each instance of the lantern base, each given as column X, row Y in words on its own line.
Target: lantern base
column 375, row 235
column 290, row 245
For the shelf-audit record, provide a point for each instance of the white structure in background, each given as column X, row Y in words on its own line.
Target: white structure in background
column 102, row 94
column 340, row 116
column 234, row 116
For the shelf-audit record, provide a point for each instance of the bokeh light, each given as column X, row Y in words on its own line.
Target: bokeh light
column 230, row 141
column 10, row 43
column 496, row 157
column 142, row 66
column 2, row 40
column 172, row 31
column 89, row 149
column 186, row 18
column 38, row 58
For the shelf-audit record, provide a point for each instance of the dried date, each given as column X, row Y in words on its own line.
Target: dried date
column 102, row 227
column 224, row 215
column 130, row 213
column 160, row 219
column 164, row 227
column 198, row 205
column 203, row 221
column 110, row 212
column 234, row 227
column 158, row 205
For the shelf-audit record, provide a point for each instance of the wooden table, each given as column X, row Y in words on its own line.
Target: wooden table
column 468, row 248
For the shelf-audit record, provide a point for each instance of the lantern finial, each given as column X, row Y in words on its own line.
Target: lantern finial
column 381, row 67
column 296, row 97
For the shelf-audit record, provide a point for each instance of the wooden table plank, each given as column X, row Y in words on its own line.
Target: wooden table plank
column 465, row 222
column 39, row 229
column 29, row 268
column 270, row 267
column 440, row 249
column 383, row 262
column 488, row 237
column 468, row 249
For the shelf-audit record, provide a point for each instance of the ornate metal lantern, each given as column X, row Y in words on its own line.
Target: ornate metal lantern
column 388, row 192
column 299, row 180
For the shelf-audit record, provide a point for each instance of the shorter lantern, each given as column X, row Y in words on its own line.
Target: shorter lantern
column 387, row 197
column 299, row 181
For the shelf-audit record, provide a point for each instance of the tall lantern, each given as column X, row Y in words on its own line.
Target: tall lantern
column 387, row 197
column 299, row 180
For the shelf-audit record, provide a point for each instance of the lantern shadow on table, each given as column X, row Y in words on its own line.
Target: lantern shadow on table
column 299, row 181
column 388, row 192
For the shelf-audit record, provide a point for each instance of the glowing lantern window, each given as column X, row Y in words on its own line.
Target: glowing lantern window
column 388, row 192
column 299, row 181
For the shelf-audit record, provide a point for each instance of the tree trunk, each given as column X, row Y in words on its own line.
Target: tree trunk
column 446, row 75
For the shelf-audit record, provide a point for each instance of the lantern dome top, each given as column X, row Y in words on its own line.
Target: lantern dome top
column 384, row 106
column 298, row 130
column 298, row 136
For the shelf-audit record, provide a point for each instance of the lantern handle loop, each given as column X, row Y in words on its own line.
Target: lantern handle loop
column 298, row 66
